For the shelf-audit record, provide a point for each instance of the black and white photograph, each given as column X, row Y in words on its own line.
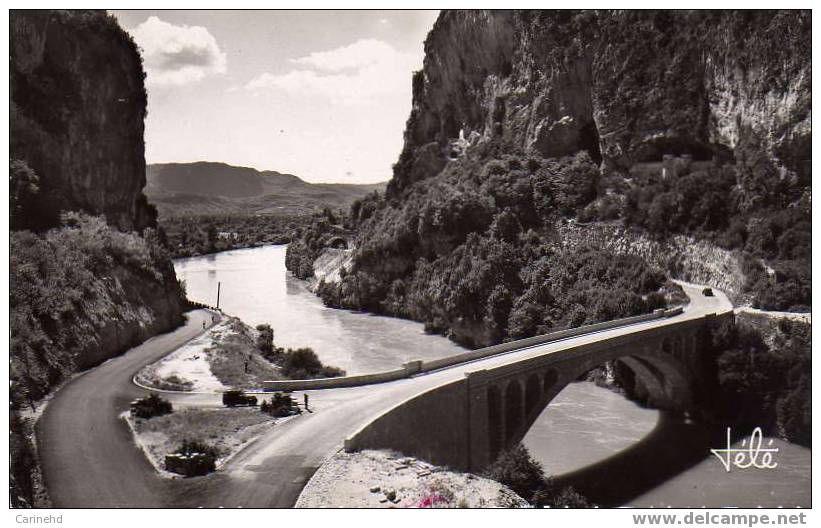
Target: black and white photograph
column 447, row 258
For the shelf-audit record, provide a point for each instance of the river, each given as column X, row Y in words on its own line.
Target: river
column 593, row 437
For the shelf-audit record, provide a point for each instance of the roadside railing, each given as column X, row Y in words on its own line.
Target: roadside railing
column 194, row 305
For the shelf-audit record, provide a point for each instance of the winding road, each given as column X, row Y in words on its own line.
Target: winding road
column 90, row 460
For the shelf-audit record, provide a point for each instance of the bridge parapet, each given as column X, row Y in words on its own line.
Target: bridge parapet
column 417, row 366
column 466, row 423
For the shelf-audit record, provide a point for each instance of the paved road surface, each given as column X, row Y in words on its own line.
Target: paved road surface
column 88, row 457
column 269, row 473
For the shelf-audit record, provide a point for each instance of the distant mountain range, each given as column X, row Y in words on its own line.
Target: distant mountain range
column 205, row 187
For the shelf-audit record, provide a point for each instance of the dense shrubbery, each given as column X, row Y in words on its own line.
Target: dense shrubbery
column 24, row 469
column 150, row 407
column 471, row 253
column 198, row 235
column 68, row 285
column 265, row 341
column 303, row 363
column 197, row 458
column 78, row 295
column 767, row 382
column 242, row 359
column 707, row 204
column 281, row 405
column 319, row 234
column 517, row 470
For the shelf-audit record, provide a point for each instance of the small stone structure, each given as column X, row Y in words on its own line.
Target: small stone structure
column 190, row 465
column 675, row 166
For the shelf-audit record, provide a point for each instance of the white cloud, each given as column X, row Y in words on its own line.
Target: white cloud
column 351, row 74
column 175, row 55
column 355, row 56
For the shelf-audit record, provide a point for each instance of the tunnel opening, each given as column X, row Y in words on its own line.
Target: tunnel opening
column 589, row 141
column 656, row 149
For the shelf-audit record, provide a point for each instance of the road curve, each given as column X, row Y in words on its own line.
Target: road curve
column 88, row 457
column 273, row 470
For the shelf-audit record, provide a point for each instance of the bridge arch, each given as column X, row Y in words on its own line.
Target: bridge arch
column 663, row 377
column 494, row 417
column 549, row 379
column 514, row 409
column 491, row 409
column 533, row 393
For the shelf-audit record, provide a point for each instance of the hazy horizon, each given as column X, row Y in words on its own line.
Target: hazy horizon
column 261, row 170
column 323, row 95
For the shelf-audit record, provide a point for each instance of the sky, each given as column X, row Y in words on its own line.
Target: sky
column 323, row 95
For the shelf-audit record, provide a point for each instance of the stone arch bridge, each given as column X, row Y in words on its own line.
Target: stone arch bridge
column 464, row 424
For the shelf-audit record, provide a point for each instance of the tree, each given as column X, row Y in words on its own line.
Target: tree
column 213, row 236
column 24, row 185
column 517, row 470
column 265, row 340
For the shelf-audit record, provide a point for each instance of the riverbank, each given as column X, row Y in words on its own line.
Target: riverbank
column 200, row 235
column 256, row 287
column 568, row 435
column 231, row 355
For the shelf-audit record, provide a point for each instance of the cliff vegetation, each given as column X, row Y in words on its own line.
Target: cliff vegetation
column 638, row 130
column 88, row 276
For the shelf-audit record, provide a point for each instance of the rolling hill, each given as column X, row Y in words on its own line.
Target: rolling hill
column 203, row 187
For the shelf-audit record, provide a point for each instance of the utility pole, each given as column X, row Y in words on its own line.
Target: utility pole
column 218, row 295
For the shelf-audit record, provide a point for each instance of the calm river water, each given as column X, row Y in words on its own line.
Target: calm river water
column 584, row 427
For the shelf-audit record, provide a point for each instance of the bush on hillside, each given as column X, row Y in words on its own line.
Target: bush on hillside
column 766, row 383
column 150, row 407
column 66, row 285
column 280, row 405
column 517, row 470
column 303, row 363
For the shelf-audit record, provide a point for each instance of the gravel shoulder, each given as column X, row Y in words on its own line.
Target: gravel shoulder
column 384, row 479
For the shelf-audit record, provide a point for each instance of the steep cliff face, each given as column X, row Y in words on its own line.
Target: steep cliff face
column 549, row 155
column 77, row 109
column 628, row 87
column 82, row 288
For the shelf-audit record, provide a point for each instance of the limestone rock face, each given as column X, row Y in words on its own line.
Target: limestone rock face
column 628, row 87
column 77, row 110
column 86, row 291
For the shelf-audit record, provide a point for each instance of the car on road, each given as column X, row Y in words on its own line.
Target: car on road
column 707, row 292
column 233, row 398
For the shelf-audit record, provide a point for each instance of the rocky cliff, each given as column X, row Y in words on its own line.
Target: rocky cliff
column 89, row 277
column 81, row 289
column 77, row 109
column 551, row 154
column 627, row 86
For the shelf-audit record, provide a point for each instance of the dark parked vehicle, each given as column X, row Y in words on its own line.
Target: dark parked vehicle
column 232, row 398
column 707, row 292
